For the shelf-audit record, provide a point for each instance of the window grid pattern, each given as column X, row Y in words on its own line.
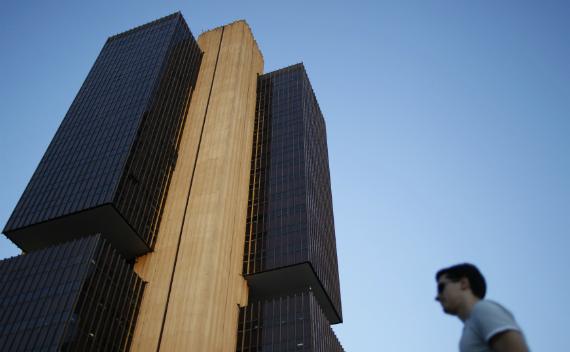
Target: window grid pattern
column 319, row 198
column 276, row 232
column 42, row 293
column 290, row 323
column 37, row 295
column 139, row 87
column 290, row 216
column 143, row 185
column 107, row 308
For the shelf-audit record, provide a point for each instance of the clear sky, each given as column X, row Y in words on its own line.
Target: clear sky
column 448, row 129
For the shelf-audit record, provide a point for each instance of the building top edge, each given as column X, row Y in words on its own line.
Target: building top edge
column 149, row 24
column 283, row 70
column 248, row 27
column 229, row 24
column 97, row 237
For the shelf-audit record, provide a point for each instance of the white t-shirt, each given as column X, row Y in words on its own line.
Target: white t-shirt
column 486, row 320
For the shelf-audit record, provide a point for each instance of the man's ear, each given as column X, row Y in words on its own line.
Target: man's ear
column 464, row 284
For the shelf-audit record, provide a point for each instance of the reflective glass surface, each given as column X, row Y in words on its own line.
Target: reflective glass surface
column 118, row 142
column 77, row 296
column 289, row 323
column 290, row 216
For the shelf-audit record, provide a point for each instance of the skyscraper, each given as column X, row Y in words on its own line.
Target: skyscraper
column 290, row 258
column 153, row 161
column 108, row 167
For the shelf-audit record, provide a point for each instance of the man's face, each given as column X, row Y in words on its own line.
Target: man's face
column 449, row 295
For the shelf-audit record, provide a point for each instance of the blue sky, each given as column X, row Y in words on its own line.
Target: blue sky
column 448, row 129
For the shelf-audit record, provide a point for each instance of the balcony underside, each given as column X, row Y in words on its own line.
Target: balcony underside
column 104, row 220
column 290, row 280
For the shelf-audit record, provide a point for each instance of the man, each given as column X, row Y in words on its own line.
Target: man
column 488, row 326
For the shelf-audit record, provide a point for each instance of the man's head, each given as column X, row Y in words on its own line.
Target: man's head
column 458, row 285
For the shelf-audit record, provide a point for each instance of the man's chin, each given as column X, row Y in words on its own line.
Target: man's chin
column 449, row 311
column 446, row 310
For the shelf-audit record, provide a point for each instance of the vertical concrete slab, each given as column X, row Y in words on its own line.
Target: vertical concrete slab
column 196, row 265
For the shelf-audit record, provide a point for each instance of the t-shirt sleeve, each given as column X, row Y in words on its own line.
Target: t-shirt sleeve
column 491, row 319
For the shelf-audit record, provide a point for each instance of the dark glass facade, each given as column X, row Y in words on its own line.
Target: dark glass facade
column 108, row 167
column 277, row 231
column 289, row 323
column 77, row 296
column 290, row 218
column 290, row 248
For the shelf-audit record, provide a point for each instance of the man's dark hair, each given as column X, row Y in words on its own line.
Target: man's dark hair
column 470, row 271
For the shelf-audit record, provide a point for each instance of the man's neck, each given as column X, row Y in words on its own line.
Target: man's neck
column 467, row 306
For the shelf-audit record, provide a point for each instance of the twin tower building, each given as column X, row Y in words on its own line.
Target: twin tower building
column 184, row 204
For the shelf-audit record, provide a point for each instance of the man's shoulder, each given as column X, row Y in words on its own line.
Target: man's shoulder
column 488, row 304
column 485, row 307
column 489, row 318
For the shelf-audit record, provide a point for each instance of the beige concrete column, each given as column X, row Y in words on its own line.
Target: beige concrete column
column 196, row 265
